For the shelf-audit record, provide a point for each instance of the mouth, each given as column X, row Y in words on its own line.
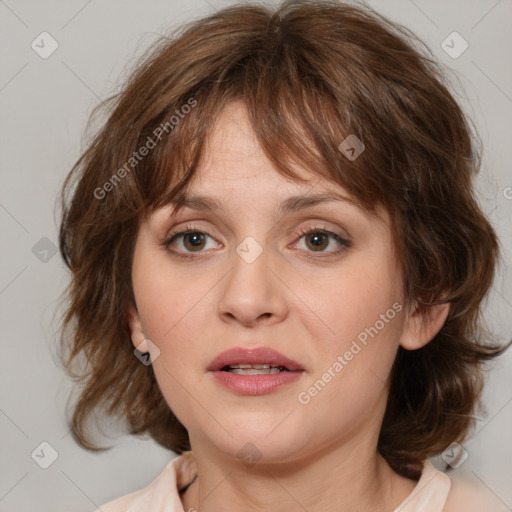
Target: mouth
column 257, row 371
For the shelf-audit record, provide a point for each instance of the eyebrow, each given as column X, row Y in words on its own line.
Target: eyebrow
column 289, row 205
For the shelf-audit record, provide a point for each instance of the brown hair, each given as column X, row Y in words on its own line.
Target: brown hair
column 310, row 73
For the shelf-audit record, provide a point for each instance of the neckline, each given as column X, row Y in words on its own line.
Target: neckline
column 431, row 489
column 430, row 492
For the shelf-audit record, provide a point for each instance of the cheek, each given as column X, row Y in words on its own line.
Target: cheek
column 173, row 308
column 169, row 319
column 167, row 298
column 356, row 333
column 362, row 300
column 347, row 391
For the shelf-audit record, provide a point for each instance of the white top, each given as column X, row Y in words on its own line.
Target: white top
column 429, row 495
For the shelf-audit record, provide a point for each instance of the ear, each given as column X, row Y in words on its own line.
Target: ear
column 421, row 325
column 137, row 333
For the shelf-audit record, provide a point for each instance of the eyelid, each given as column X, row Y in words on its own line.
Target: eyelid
column 343, row 240
column 176, row 233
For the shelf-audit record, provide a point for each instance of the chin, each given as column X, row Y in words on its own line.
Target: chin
column 260, row 442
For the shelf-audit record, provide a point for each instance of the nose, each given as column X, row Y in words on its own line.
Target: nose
column 253, row 293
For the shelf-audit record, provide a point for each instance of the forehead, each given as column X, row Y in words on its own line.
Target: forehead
column 233, row 153
column 234, row 163
column 236, row 169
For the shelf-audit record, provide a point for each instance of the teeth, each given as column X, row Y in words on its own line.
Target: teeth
column 246, row 366
column 255, row 371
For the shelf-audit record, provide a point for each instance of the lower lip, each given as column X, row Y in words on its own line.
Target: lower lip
column 255, row 384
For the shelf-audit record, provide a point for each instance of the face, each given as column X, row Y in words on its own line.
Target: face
column 320, row 284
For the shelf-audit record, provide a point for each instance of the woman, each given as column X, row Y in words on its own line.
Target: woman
column 279, row 214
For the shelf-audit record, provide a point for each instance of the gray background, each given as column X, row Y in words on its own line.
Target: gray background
column 44, row 106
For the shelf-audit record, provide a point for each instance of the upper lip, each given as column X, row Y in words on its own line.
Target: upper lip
column 260, row 355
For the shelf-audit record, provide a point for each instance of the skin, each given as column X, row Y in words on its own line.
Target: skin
column 306, row 304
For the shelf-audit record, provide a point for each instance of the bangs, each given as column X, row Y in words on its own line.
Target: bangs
column 298, row 119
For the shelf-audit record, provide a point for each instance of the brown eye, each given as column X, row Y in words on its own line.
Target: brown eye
column 317, row 241
column 190, row 243
column 193, row 241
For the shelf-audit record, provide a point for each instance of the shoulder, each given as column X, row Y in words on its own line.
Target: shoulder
column 161, row 494
column 467, row 493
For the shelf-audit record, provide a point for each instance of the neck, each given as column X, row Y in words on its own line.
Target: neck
column 330, row 479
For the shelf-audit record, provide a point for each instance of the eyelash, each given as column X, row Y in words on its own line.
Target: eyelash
column 345, row 244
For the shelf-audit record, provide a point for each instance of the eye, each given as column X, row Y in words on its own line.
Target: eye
column 318, row 239
column 190, row 240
